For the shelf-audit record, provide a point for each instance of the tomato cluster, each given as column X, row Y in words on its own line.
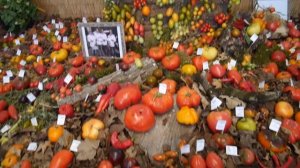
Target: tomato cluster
column 205, row 28
column 139, row 3
column 221, row 18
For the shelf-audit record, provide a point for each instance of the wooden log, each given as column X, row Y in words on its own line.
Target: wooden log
column 128, row 76
column 167, row 131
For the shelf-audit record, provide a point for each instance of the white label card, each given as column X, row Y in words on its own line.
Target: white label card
column 240, row 111
column 22, row 36
column 221, row 125
column 34, row 121
column 21, row 73
column 162, row 89
column 68, row 79
column 287, row 62
column 74, row 146
column 41, row 86
column 216, row 62
column 98, row 98
column 246, row 21
column 17, row 42
column 18, row 52
column 231, row 64
column 199, row 51
column 291, row 82
column 268, row 35
column 23, row 62
column 5, row 128
column 34, row 36
column 32, row 146
column 65, row 39
column 56, row 33
column 56, row 26
column 215, row 103
column 298, row 56
column 86, row 97
column 254, row 37
column 117, row 67
column 53, row 21
column 45, row 80
column 59, row 38
column 36, row 42
column 205, row 65
column 6, row 79
column 61, row 119
column 175, row 45
column 45, row 28
column 98, row 20
column 9, row 73
column 275, row 125
column 186, row 149
column 231, row 150
column 292, row 50
column 31, row 97
column 200, row 144
column 38, row 58
column 261, row 85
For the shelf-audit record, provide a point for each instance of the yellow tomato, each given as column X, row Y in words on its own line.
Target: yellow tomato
column 188, row 69
column 59, row 55
column 91, row 129
column 187, row 116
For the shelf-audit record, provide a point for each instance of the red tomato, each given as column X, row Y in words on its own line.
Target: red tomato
column 4, row 116
column 269, row 43
column 128, row 95
column 213, row 117
column 223, row 139
column 77, row 61
column 66, row 109
column 189, row 51
column 40, row 69
column 55, row 70
column 21, row 83
column 105, row 164
column 3, row 105
column 12, row 112
column 57, row 45
column 214, row 161
column 278, row 56
column 139, row 118
column 235, row 75
column 293, row 69
column 157, row 53
column 187, row 97
column 36, row 49
column 272, row 26
column 62, row 159
column 197, row 161
column 93, row 59
column 130, row 57
column 181, row 47
column 171, row 85
column 26, row 164
column 294, row 55
column 286, row 45
column 171, row 62
column 159, row 103
column 271, row 68
column 217, row 71
column 247, row 156
column 198, row 62
column 247, row 86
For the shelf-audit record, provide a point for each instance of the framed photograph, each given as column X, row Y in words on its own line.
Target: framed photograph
column 104, row 39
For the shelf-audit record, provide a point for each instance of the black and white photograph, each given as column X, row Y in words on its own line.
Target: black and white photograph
column 102, row 39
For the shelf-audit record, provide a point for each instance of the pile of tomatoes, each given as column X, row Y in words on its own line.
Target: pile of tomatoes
column 221, row 18
column 138, row 4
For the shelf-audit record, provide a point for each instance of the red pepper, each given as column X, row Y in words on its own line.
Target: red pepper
column 103, row 103
column 260, row 163
column 293, row 129
column 116, row 143
column 288, row 162
column 111, row 91
column 276, row 160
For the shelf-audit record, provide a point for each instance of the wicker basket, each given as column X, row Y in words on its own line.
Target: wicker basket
column 71, row 8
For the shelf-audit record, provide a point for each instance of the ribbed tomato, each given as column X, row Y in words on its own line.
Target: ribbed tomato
column 128, row 95
column 55, row 70
column 187, row 97
column 159, row 103
column 213, row 117
column 171, row 62
column 157, row 53
column 130, row 57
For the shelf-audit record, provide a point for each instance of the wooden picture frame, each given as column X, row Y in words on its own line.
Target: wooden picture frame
column 104, row 39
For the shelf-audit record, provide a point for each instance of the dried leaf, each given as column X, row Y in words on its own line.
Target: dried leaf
column 66, row 139
column 131, row 152
column 296, row 148
column 217, row 83
column 231, row 103
column 87, row 149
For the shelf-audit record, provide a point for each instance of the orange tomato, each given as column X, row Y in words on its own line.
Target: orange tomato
column 26, row 164
column 283, row 75
column 67, row 46
column 105, row 164
column 146, row 10
column 78, row 88
column 266, row 141
column 297, row 117
column 250, row 113
column 54, row 133
column 171, row 85
column 9, row 161
column 14, row 149
column 284, row 109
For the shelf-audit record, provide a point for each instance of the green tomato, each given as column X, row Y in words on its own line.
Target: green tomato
column 246, row 124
